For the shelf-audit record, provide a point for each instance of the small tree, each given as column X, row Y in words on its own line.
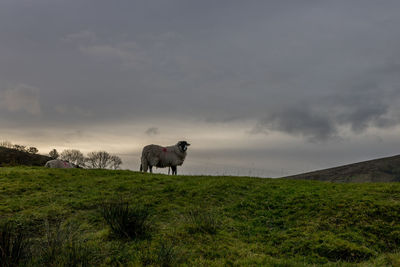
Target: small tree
column 6, row 144
column 74, row 156
column 54, row 154
column 20, row 148
column 115, row 162
column 98, row 160
column 32, row 150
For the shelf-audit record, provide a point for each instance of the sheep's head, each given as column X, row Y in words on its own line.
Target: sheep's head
column 183, row 145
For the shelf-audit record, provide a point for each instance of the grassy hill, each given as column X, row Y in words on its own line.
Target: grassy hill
column 65, row 216
column 13, row 157
column 378, row 170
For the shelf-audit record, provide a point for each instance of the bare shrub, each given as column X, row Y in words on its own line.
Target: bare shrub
column 19, row 147
column 73, row 156
column 54, row 154
column 32, row 150
column 102, row 160
column 98, row 160
column 115, row 162
column 6, row 144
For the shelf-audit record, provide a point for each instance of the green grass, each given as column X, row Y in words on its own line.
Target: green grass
column 201, row 220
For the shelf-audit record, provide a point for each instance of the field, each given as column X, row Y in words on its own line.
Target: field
column 76, row 217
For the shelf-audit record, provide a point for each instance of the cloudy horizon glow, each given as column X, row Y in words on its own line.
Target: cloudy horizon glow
column 263, row 88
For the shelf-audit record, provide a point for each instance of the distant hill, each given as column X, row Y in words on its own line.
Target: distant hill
column 13, row 157
column 378, row 170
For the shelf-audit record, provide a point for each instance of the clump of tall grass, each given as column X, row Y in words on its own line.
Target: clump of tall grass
column 167, row 254
column 13, row 244
column 61, row 246
column 53, row 241
column 75, row 253
column 202, row 220
column 126, row 221
column 164, row 254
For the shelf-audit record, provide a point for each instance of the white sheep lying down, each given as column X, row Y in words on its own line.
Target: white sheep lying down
column 56, row 163
column 161, row 157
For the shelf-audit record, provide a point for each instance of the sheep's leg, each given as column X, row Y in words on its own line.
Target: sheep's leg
column 151, row 169
column 169, row 169
column 144, row 166
column 174, row 170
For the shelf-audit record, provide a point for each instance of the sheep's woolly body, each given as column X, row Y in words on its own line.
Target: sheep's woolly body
column 161, row 157
column 56, row 163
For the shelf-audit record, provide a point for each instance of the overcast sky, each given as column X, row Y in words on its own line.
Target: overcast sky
column 262, row 88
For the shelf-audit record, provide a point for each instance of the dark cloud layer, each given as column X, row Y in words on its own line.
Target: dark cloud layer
column 311, row 69
column 368, row 100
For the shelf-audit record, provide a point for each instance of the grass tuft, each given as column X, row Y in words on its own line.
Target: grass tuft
column 167, row 254
column 61, row 246
column 126, row 221
column 13, row 244
column 164, row 254
column 201, row 220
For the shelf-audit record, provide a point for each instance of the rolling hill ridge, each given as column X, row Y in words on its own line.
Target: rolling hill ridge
column 13, row 157
column 378, row 170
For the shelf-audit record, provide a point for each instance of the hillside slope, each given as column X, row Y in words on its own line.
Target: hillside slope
column 201, row 220
column 13, row 157
column 378, row 170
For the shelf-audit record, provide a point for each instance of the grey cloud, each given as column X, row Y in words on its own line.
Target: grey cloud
column 121, row 51
column 21, row 97
column 72, row 111
column 369, row 100
column 82, row 37
column 300, row 121
column 361, row 110
column 152, row 131
column 363, row 101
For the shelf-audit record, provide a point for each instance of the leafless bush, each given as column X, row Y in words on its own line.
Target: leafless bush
column 54, row 154
column 102, row 160
column 115, row 162
column 98, row 160
column 19, row 147
column 74, row 156
column 6, row 144
column 32, row 150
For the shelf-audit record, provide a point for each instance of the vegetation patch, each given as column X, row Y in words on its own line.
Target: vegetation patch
column 126, row 220
column 165, row 253
column 13, row 244
column 201, row 220
column 195, row 220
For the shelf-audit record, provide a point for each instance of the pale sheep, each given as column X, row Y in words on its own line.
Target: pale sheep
column 161, row 157
column 61, row 164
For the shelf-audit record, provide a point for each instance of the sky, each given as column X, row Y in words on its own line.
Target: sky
column 259, row 88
